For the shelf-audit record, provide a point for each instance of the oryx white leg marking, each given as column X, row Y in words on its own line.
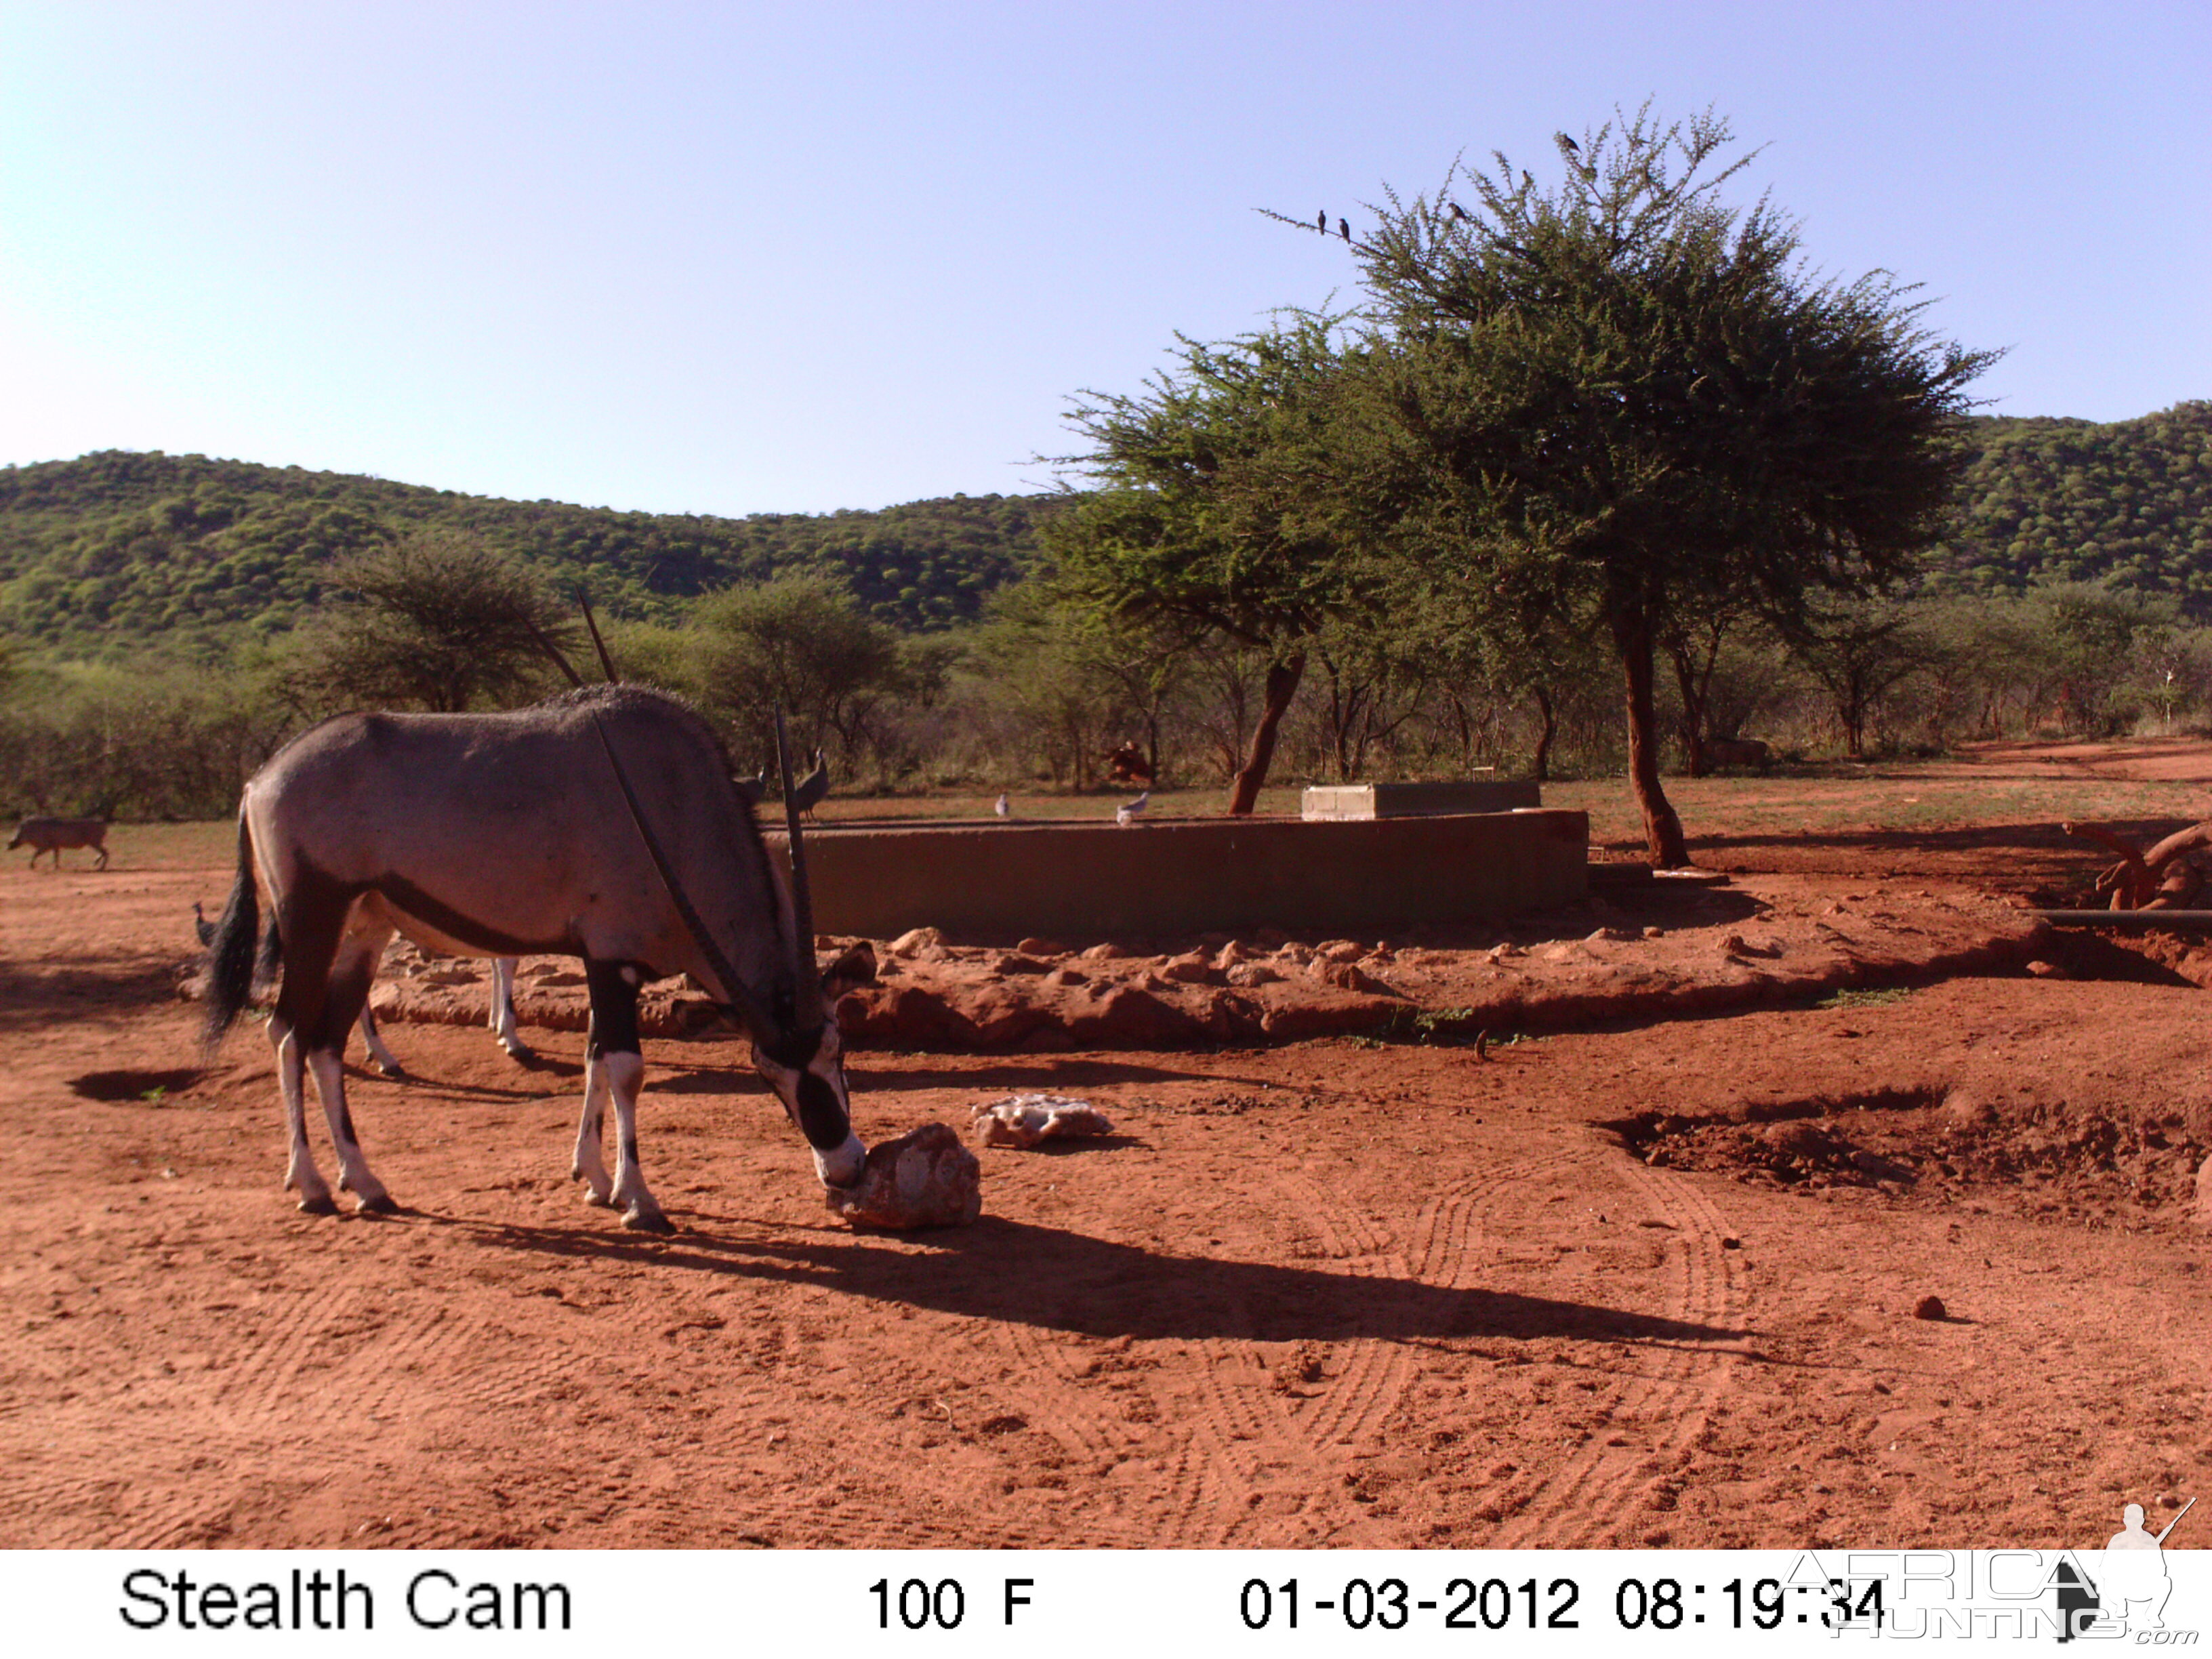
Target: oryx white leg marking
column 353, row 1177
column 590, row 1166
column 625, row 1074
column 502, row 1008
column 300, row 1171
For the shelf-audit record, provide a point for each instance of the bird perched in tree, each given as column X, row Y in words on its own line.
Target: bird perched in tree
column 1343, row 229
column 1323, row 223
column 1457, row 211
column 1130, row 810
column 1004, row 808
column 1570, row 145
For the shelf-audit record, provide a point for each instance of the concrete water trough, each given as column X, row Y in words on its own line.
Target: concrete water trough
column 1417, row 800
column 1091, row 881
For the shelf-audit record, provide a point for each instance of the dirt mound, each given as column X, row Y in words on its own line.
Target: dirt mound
column 2088, row 1163
column 1664, row 949
column 1669, row 948
column 549, row 994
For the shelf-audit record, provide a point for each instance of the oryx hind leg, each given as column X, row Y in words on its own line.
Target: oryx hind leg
column 590, row 1166
column 368, row 930
column 348, row 995
column 300, row 1173
column 613, row 1063
column 372, row 1039
column 304, row 932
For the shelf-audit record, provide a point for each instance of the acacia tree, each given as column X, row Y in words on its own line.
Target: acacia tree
column 1860, row 649
column 1203, row 514
column 1622, row 393
column 802, row 644
column 439, row 621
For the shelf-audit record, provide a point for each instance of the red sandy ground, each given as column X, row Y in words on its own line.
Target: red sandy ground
column 1650, row 1281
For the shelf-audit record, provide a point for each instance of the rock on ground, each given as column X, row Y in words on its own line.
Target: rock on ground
column 925, row 1178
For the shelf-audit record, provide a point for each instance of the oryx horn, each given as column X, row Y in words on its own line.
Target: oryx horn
column 554, row 651
column 802, row 896
column 598, row 644
column 737, row 1000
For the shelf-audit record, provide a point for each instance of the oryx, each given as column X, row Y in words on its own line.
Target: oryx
column 602, row 824
column 501, row 1020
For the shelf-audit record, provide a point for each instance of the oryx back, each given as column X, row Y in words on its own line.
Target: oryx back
column 505, row 835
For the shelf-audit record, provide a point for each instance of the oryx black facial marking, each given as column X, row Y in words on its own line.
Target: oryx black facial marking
column 822, row 1117
column 604, row 824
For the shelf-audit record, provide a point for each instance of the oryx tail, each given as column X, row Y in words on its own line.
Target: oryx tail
column 231, row 953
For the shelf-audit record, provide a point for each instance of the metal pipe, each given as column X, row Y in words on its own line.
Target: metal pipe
column 2141, row 921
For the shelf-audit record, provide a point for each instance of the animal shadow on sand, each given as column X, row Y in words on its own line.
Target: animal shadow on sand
column 38, row 997
column 1023, row 1273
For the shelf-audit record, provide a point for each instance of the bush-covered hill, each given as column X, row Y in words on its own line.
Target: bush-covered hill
column 2076, row 501
column 117, row 550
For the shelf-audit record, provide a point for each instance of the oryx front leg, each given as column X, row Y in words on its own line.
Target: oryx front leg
column 503, row 1009
column 625, row 1076
column 613, row 1053
column 590, row 1166
column 300, row 1171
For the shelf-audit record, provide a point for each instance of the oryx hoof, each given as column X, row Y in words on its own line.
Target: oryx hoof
column 601, row 1192
column 318, row 1203
column 395, row 1069
column 644, row 1218
column 382, row 1204
column 520, row 1051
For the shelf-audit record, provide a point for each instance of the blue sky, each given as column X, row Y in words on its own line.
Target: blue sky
column 740, row 259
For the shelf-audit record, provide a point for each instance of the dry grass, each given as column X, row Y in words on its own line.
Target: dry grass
column 1908, row 797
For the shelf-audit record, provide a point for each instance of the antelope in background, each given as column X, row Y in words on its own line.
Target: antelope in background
column 53, row 834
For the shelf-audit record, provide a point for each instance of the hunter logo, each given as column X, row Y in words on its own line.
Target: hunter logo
column 2116, row 1593
column 2126, row 1589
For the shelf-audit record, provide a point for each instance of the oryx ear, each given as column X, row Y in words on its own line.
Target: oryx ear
column 852, row 970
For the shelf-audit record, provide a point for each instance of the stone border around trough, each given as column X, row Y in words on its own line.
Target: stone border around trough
column 1766, row 941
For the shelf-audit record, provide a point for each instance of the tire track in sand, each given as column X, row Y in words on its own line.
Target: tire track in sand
column 1263, row 1439
column 137, row 1499
column 1605, row 1495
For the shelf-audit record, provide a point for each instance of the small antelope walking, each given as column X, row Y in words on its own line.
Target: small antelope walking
column 51, row 835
